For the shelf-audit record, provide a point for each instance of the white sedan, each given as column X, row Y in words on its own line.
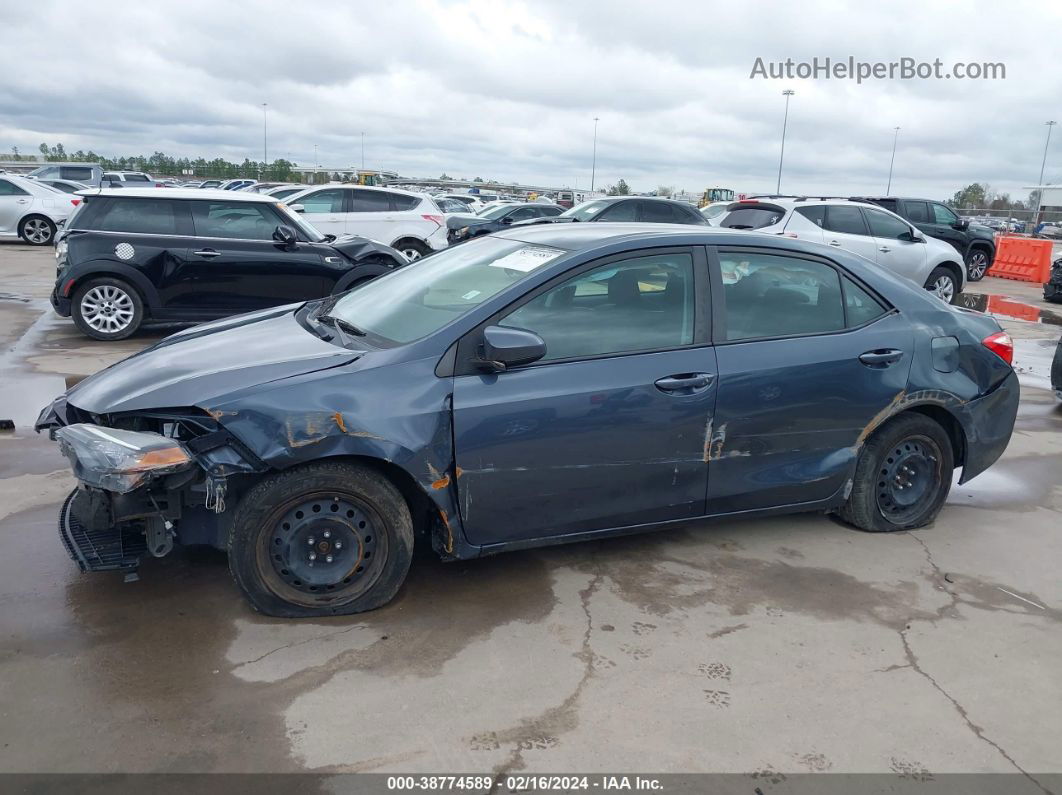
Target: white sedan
column 32, row 210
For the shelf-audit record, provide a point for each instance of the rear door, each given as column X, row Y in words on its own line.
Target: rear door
column 234, row 265
column 897, row 250
column 608, row 429
column 327, row 210
column 808, row 357
column 844, row 227
column 371, row 215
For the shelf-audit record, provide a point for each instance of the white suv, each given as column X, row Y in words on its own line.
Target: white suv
column 862, row 228
column 410, row 222
column 32, row 210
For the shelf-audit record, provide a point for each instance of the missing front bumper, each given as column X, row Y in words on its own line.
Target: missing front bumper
column 103, row 548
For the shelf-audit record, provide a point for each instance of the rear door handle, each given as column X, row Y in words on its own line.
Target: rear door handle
column 685, row 382
column 208, row 253
column 881, row 358
column 835, row 243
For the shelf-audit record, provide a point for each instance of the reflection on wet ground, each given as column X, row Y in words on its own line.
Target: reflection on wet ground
column 1003, row 307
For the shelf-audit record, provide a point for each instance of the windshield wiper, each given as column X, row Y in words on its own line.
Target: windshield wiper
column 344, row 327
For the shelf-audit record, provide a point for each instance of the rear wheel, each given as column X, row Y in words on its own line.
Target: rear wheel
column 977, row 263
column 902, row 478
column 412, row 249
column 36, row 230
column 943, row 284
column 107, row 309
column 322, row 539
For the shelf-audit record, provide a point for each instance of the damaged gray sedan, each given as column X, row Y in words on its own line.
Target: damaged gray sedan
column 538, row 386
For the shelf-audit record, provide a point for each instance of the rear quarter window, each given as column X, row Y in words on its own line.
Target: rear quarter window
column 401, row 203
column 137, row 216
column 76, row 173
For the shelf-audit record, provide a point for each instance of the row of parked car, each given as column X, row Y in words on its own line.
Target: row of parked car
column 189, row 254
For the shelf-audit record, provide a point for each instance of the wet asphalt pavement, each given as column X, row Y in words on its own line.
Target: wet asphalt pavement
column 765, row 647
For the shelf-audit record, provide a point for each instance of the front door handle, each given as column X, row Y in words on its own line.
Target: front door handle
column 886, row 249
column 685, row 382
column 881, row 358
column 208, row 253
column 835, row 243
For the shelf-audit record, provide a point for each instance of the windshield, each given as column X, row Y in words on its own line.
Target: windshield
column 301, row 223
column 586, row 210
column 496, row 212
column 421, row 298
column 714, row 210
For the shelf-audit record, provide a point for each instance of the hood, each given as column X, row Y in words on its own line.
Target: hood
column 354, row 248
column 980, row 230
column 460, row 221
column 197, row 366
column 552, row 219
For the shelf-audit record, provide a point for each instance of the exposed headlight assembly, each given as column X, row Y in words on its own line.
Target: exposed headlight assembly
column 117, row 460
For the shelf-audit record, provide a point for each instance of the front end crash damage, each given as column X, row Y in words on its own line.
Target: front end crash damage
column 145, row 480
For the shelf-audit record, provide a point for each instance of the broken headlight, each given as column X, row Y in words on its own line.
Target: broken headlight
column 118, row 460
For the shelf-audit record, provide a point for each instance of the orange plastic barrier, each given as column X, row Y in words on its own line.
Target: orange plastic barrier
column 1023, row 259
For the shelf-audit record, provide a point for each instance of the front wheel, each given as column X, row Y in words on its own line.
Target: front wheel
column 323, row 539
column 977, row 264
column 107, row 309
column 902, row 477
column 36, row 230
column 943, row 284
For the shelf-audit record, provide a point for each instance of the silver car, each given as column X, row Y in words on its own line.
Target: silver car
column 870, row 231
column 32, row 210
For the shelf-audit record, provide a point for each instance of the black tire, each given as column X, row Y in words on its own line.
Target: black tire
column 978, row 261
column 909, row 449
column 412, row 249
column 280, row 528
column 935, row 280
column 89, row 308
column 36, row 230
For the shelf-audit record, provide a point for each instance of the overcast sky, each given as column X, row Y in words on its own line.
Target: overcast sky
column 509, row 90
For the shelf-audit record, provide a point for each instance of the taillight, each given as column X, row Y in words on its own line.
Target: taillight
column 1001, row 345
column 436, row 218
column 75, row 202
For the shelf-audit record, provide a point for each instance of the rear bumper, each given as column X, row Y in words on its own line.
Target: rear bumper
column 989, row 423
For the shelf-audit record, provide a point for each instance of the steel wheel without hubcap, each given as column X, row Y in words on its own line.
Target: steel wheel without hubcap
column 977, row 265
column 322, row 545
column 37, row 231
column 943, row 288
column 908, row 479
column 107, row 309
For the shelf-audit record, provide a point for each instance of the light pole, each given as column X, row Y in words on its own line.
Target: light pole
column 895, row 135
column 785, row 122
column 363, row 151
column 265, row 135
column 1043, row 163
column 315, row 164
column 593, row 166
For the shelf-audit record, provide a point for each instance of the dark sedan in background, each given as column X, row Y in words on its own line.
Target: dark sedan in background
column 139, row 254
column 465, row 227
column 536, row 386
column 639, row 209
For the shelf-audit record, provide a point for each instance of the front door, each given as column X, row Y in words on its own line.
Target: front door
column 608, row 430
column 897, row 251
column 233, row 264
column 14, row 202
column 327, row 210
column 808, row 358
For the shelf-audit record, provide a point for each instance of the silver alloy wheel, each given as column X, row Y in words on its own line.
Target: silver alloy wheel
column 944, row 288
column 411, row 253
column 37, row 230
column 107, row 309
column 977, row 265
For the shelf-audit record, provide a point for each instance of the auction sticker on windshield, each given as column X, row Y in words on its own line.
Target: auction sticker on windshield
column 527, row 259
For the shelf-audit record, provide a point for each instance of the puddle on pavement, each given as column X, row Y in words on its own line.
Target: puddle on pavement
column 23, row 394
column 1003, row 307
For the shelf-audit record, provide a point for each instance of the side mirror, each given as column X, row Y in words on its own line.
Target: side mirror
column 507, row 219
column 961, row 224
column 510, row 347
column 285, row 234
column 911, row 237
column 297, row 208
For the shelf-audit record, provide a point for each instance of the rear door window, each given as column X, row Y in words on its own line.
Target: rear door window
column 657, row 213
column 847, row 220
column 918, row 212
column 76, row 173
column 11, row 189
column 620, row 211
column 401, row 203
column 140, row 216
column 234, row 220
column 371, row 201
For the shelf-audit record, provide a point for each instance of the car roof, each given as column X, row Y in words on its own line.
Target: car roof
column 177, row 193
column 577, row 236
column 353, row 186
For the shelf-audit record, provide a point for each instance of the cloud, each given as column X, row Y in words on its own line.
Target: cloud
column 510, row 89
